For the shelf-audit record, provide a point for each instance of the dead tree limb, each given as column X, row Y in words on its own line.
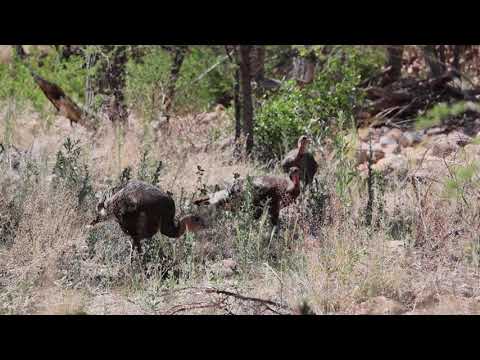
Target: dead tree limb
column 248, row 298
column 63, row 103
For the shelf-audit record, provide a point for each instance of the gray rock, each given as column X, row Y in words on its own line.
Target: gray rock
column 380, row 305
column 411, row 138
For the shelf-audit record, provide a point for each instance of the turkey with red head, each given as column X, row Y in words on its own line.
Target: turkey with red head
column 142, row 210
column 301, row 159
column 274, row 191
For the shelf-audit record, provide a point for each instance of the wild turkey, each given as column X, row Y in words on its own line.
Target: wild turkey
column 277, row 191
column 302, row 159
column 142, row 210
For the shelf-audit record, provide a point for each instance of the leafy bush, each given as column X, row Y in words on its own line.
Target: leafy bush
column 443, row 111
column 197, row 87
column 282, row 118
column 17, row 84
column 146, row 82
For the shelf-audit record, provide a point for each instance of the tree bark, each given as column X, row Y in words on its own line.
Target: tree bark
column 90, row 60
column 437, row 68
column 257, row 62
column 457, row 51
column 116, row 84
column 178, row 57
column 394, row 61
column 245, row 82
column 20, row 51
column 236, row 100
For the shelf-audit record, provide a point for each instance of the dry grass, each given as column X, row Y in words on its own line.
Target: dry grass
column 52, row 264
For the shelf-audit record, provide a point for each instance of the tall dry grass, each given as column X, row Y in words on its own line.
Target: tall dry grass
column 421, row 243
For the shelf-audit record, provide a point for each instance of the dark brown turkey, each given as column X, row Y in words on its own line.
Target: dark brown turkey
column 301, row 159
column 274, row 191
column 142, row 210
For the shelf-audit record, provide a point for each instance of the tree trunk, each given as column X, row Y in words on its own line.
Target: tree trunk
column 236, row 100
column 245, row 82
column 394, row 61
column 115, row 82
column 457, row 51
column 437, row 68
column 90, row 60
column 257, row 62
column 178, row 57
column 20, row 51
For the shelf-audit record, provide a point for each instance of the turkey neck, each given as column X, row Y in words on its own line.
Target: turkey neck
column 174, row 229
column 301, row 150
column 292, row 186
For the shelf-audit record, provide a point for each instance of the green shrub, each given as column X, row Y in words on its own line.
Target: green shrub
column 17, row 83
column 441, row 112
column 147, row 81
column 197, row 88
column 314, row 110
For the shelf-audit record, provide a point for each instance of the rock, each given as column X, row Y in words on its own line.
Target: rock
column 391, row 149
column 435, row 130
column 441, row 147
column 362, row 153
column 225, row 268
column 380, row 305
column 410, row 138
column 426, row 299
column 363, row 134
column 446, row 305
column 43, row 50
column 6, row 54
column 466, row 291
column 472, row 151
column 392, row 163
column 387, row 140
column 459, row 138
column 395, row 134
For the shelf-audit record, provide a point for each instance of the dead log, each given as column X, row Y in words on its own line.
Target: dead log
column 64, row 104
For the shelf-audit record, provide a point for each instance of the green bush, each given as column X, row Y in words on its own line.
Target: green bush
column 197, row 93
column 147, row 81
column 17, row 83
column 282, row 118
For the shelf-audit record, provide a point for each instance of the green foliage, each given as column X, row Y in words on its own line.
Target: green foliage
column 17, row 83
column 345, row 169
column 248, row 244
column 197, row 93
column 282, row 118
column 438, row 113
column 462, row 181
column 147, row 81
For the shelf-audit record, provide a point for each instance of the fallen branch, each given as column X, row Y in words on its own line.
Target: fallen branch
column 247, row 298
column 194, row 306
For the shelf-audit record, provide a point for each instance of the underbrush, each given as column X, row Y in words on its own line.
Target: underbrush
column 324, row 254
